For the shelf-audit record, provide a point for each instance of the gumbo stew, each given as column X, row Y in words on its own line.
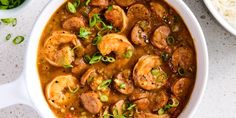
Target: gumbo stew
column 116, row 59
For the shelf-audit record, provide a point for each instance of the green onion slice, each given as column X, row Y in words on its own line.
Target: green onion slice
column 73, row 90
column 128, row 54
column 95, row 58
column 97, row 40
column 68, row 66
column 84, row 33
column 108, row 59
column 110, row 8
column 87, row 2
column 71, row 8
column 9, row 21
column 170, row 40
column 18, row 40
column 104, row 98
column 181, row 71
column 122, row 86
column 8, row 37
column 104, row 84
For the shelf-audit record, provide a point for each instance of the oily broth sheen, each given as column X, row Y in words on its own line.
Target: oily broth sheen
column 47, row 72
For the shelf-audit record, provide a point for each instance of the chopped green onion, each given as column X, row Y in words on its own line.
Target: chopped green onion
column 128, row 54
column 87, row 58
column 181, row 71
column 104, row 84
column 122, row 86
column 84, row 33
column 94, row 20
column 8, row 37
column 4, row 2
column 87, row 2
column 18, row 40
column 170, row 40
column 71, row 8
column 161, row 111
column 155, row 72
column 165, row 56
column 68, row 66
column 73, row 90
column 9, row 4
column 108, row 59
column 95, row 58
column 110, row 8
column 76, row 3
column 175, row 103
column 97, row 40
column 9, row 21
column 131, row 106
column 104, row 98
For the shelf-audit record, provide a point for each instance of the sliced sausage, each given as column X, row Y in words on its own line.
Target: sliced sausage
column 74, row 23
column 182, row 58
column 91, row 102
column 158, row 9
column 115, row 17
column 125, row 3
column 123, row 83
column 100, row 3
column 159, row 37
column 138, row 94
column 117, row 109
column 158, row 100
column 139, row 34
column 181, row 87
column 88, row 75
column 136, row 13
column 142, row 104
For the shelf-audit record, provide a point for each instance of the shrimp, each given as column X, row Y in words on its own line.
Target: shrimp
column 159, row 37
column 57, row 48
column 118, row 44
column 143, row 75
column 60, row 91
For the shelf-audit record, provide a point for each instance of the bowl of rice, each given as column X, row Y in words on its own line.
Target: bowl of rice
column 225, row 12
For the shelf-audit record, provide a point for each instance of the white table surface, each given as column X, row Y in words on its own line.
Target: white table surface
column 220, row 96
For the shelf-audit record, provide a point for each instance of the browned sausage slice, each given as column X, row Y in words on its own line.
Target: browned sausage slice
column 158, row 100
column 123, row 83
column 115, row 17
column 182, row 57
column 91, row 102
column 117, row 109
column 159, row 37
column 158, row 9
column 142, row 104
column 74, row 23
column 181, row 87
column 138, row 94
column 125, row 3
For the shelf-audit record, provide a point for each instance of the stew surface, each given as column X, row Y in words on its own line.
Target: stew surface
column 116, row 59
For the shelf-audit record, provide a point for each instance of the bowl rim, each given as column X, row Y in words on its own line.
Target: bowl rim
column 219, row 17
column 36, row 92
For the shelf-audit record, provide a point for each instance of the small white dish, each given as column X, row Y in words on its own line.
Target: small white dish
column 219, row 17
column 17, row 10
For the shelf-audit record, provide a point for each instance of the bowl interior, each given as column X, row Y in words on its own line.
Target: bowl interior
column 32, row 77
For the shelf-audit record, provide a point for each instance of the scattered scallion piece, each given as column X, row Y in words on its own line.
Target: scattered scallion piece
column 110, row 8
column 155, row 72
column 108, row 59
column 170, row 40
column 76, row 3
column 8, row 37
column 73, row 90
column 104, row 98
column 9, row 21
column 122, row 86
column 165, row 56
column 87, row 2
column 94, row 20
column 84, row 33
column 68, row 66
column 97, row 40
column 9, row 4
column 104, row 84
column 161, row 111
column 181, row 71
column 18, row 40
column 128, row 54
column 131, row 106
column 95, row 58
column 71, row 7
column 87, row 58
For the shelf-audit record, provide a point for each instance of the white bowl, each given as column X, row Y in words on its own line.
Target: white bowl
column 17, row 10
column 219, row 17
column 27, row 89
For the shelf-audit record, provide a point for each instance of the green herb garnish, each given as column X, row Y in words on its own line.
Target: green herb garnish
column 181, row 71
column 104, row 98
column 87, row 2
column 95, row 58
column 104, row 84
column 18, row 40
column 110, row 8
column 68, row 66
column 73, row 90
column 128, row 54
column 8, row 37
column 122, row 86
column 97, row 40
column 170, row 40
column 165, row 56
column 71, row 7
column 84, row 33
column 9, row 21
column 108, row 59
column 9, row 4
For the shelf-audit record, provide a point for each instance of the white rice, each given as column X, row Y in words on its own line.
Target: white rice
column 227, row 8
